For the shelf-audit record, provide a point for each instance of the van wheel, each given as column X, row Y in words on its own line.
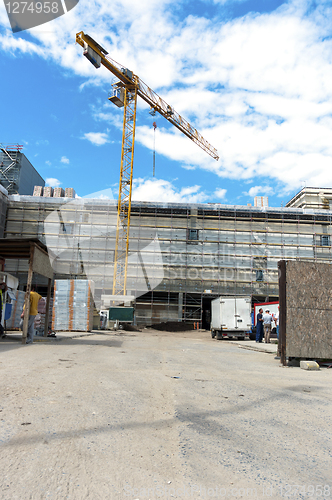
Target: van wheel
column 213, row 333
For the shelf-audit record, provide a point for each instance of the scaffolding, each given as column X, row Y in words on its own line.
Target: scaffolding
column 180, row 256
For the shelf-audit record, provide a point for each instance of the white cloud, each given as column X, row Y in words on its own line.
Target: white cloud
column 64, row 160
column 97, row 138
column 259, row 88
column 173, row 145
column 220, row 193
column 48, row 162
column 50, row 181
column 115, row 120
column 104, row 194
column 164, row 191
column 259, row 190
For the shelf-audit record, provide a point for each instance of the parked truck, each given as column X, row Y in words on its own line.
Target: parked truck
column 231, row 317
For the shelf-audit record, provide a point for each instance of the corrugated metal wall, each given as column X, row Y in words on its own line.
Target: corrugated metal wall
column 3, row 210
column 22, row 175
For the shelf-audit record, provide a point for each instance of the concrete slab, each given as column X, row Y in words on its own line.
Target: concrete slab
column 256, row 346
column 17, row 336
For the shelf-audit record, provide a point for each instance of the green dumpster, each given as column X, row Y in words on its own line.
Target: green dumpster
column 123, row 314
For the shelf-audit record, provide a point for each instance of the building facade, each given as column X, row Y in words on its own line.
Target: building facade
column 181, row 256
column 312, row 198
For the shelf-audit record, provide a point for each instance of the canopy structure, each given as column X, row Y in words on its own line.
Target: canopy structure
column 36, row 252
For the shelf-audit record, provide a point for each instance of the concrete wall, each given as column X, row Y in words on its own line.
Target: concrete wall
column 308, row 309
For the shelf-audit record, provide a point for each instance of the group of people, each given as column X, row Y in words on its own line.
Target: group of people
column 264, row 325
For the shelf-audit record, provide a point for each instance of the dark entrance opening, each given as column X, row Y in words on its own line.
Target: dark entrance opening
column 206, row 312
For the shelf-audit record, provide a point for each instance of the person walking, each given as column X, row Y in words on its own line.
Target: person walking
column 267, row 321
column 276, row 320
column 259, row 326
column 34, row 299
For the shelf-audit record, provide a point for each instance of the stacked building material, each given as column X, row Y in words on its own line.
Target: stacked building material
column 58, row 192
column 13, row 322
column 83, row 306
column 73, row 305
column 60, row 314
column 42, row 314
column 70, row 193
column 48, row 192
column 38, row 191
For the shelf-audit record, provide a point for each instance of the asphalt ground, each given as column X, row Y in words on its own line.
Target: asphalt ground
column 146, row 415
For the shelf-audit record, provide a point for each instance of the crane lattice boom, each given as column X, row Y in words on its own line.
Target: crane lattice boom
column 147, row 94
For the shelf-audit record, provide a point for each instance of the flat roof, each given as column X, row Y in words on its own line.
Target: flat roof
column 19, row 248
column 148, row 205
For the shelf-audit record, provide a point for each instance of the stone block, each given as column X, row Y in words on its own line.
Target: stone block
column 309, row 365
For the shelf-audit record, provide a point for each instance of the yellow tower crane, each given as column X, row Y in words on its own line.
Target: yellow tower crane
column 124, row 94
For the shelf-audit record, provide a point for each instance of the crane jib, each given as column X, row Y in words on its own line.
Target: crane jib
column 97, row 55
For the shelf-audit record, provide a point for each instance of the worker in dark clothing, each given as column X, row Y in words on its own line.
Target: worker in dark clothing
column 3, row 288
column 259, row 326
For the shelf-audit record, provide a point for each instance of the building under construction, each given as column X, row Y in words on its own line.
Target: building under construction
column 181, row 256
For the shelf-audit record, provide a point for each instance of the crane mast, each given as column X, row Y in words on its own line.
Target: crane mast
column 124, row 94
column 125, row 190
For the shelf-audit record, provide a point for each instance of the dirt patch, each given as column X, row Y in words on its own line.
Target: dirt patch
column 173, row 326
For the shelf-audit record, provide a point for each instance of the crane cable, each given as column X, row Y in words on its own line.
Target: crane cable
column 154, row 147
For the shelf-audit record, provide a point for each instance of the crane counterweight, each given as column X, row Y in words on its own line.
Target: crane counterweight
column 92, row 56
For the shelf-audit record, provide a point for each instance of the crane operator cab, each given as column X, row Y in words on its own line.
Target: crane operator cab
column 117, row 95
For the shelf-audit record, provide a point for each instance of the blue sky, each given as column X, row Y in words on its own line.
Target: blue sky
column 254, row 77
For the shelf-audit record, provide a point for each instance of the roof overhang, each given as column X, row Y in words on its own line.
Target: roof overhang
column 33, row 250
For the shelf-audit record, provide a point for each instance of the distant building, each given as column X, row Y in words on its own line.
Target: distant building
column 261, row 201
column 17, row 174
column 314, row 198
